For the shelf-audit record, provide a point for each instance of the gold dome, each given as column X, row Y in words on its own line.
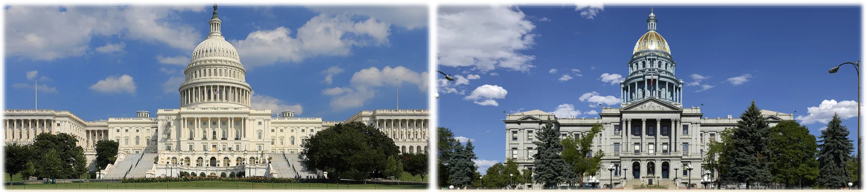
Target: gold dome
column 652, row 41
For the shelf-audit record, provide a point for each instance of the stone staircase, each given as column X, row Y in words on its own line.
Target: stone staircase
column 144, row 164
column 295, row 161
column 631, row 184
column 120, row 169
column 280, row 164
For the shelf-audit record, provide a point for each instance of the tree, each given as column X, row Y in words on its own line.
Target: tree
column 50, row 166
column 527, row 176
column 511, row 169
column 415, row 164
column 549, row 165
column 447, row 146
column 17, row 158
column 461, row 167
column 852, row 169
column 717, row 155
column 347, row 147
column 833, row 156
column 494, row 179
column 793, row 154
column 392, row 169
column 106, row 153
column 577, row 152
column 749, row 162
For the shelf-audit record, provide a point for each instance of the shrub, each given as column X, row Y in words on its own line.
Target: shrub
column 192, row 174
column 223, row 175
column 232, row 175
column 201, row 174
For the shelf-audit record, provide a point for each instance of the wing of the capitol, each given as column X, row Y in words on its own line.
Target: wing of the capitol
column 214, row 130
column 651, row 138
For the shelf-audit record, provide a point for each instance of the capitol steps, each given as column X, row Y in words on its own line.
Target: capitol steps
column 282, row 166
column 144, row 164
column 295, row 161
column 120, row 169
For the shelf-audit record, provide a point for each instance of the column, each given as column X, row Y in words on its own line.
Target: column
column 643, row 137
column 244, row 127
column 196, row 127
column 626, row 130
column 30, row 135
column 658, row 134
column 645, row 86
column 219, row 125
column 621, row 90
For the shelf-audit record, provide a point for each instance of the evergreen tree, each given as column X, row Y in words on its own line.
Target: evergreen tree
column 447, row 147
column 749, row 162
column 461, row 167
column 549, row 166
column 833, row 156
column 578, row 154
column 793, row 154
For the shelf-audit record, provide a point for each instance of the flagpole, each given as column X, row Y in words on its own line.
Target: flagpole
column 36, row 95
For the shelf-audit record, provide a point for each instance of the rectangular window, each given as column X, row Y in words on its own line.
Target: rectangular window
column 204, row 147
column 685, row 171
column 616, row 129
column 651, row 148
column 190, row 147
column 514, row 135
column 224, row 147
column 666, row 131
column 637, row 148
column 213, row 123
column 712, row 137
column 685, row 129
column 168, row 148
column 685, row 149
column 529, row 135
column 260, row 148
column 702, row 138
column 237, row 147
column 514, row 153
column 665, row 148
column 224, row 123
column 529, row 153
column 616, row 149
column 651, row 131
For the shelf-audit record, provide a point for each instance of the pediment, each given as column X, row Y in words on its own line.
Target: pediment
column 651, row 104
column 529, row 118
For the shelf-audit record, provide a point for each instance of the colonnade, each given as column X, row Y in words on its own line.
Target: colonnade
column 650, row 141
column 25, row 130
column 94, row 136
column 215, row 93
column 633, row 91
column 212, row 128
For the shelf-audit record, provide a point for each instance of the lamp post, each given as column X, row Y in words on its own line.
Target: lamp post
column 856, row 67
column 676, row 173
column 610, row 168
column 849, row 185
column 481, row 179
column 511, row 179
column 624, row 176
column 689, row 174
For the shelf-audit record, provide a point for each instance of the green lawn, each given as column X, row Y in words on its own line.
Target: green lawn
column 16, row 177
column 408, row 177
column 212, row 185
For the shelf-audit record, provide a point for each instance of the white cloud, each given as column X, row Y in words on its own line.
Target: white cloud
column 32, row 74
column 544, row 19
column 613, row 79
column 595, row 98
column 484, row 38
column 172, row 84
column 460, row 80
column 824, row 112
column 473, row 76
column 44, row 78
column 566, row 111
column 589, row 10
column 113, row 84
column 552, row 71
column 258, row 101
column 705, row 87
column 565, row 77
column 47, row 33
column 179, row 60
column 41, row 88
column 323, row 35
column 487, row 94
column 111, row 48
column 739, row 80
column 494, row 74
column 483, row 164
column 592, row 68
column 409, row 17
column 697, row 79
column 336, row 91
column 167, row 71
column 364, row 84
column 591, row 112
column 463, row 139
column 575, row 70
column 330, row 72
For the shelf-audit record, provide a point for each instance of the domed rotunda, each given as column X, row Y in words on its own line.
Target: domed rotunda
column 215, row 76
column 652, row 70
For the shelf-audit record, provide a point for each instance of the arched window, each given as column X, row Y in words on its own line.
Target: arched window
column 136, row 140
column 260, row 134
column 126, row 141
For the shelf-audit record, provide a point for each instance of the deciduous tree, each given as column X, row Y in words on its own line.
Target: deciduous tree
column 347, row 147
column 793, row 154
column 578, row 154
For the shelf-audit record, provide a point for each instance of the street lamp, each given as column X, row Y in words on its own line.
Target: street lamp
column 856, row 67
column 624, row 176
column 610, row 168
column 511, row 178
column 849, row 185
column 689, row 174
column 481, row 179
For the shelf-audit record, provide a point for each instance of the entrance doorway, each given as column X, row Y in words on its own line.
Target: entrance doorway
column 635, row 167
column 213, row 161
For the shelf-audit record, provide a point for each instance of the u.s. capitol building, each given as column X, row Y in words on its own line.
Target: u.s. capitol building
column 651, row 138
column 214, row 130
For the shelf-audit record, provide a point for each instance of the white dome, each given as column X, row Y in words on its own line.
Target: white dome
column 215, row 47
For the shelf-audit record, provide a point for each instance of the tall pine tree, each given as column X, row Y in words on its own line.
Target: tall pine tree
column 749, row 162
column 550, row 168
column 833, row 156
column 461, row 167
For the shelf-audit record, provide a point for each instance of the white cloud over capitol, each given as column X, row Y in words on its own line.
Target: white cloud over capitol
column 258, row 101
column 113, row 84
column 824, row 112
column 409, row 17
column 365, row 82
column 595, row 98
column 484, row 38
column 486, row 95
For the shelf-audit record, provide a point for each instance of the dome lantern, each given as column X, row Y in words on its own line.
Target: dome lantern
column 651, row 21
column 215, row 25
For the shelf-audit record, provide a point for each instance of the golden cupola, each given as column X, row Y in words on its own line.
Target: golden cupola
column 651, row 40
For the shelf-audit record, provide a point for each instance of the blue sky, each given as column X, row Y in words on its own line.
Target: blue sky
column 564, row 58
column 110, row 61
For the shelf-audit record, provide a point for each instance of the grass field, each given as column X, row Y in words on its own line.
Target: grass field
column 408, row 177
column 16, row 177
column 211, row 185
